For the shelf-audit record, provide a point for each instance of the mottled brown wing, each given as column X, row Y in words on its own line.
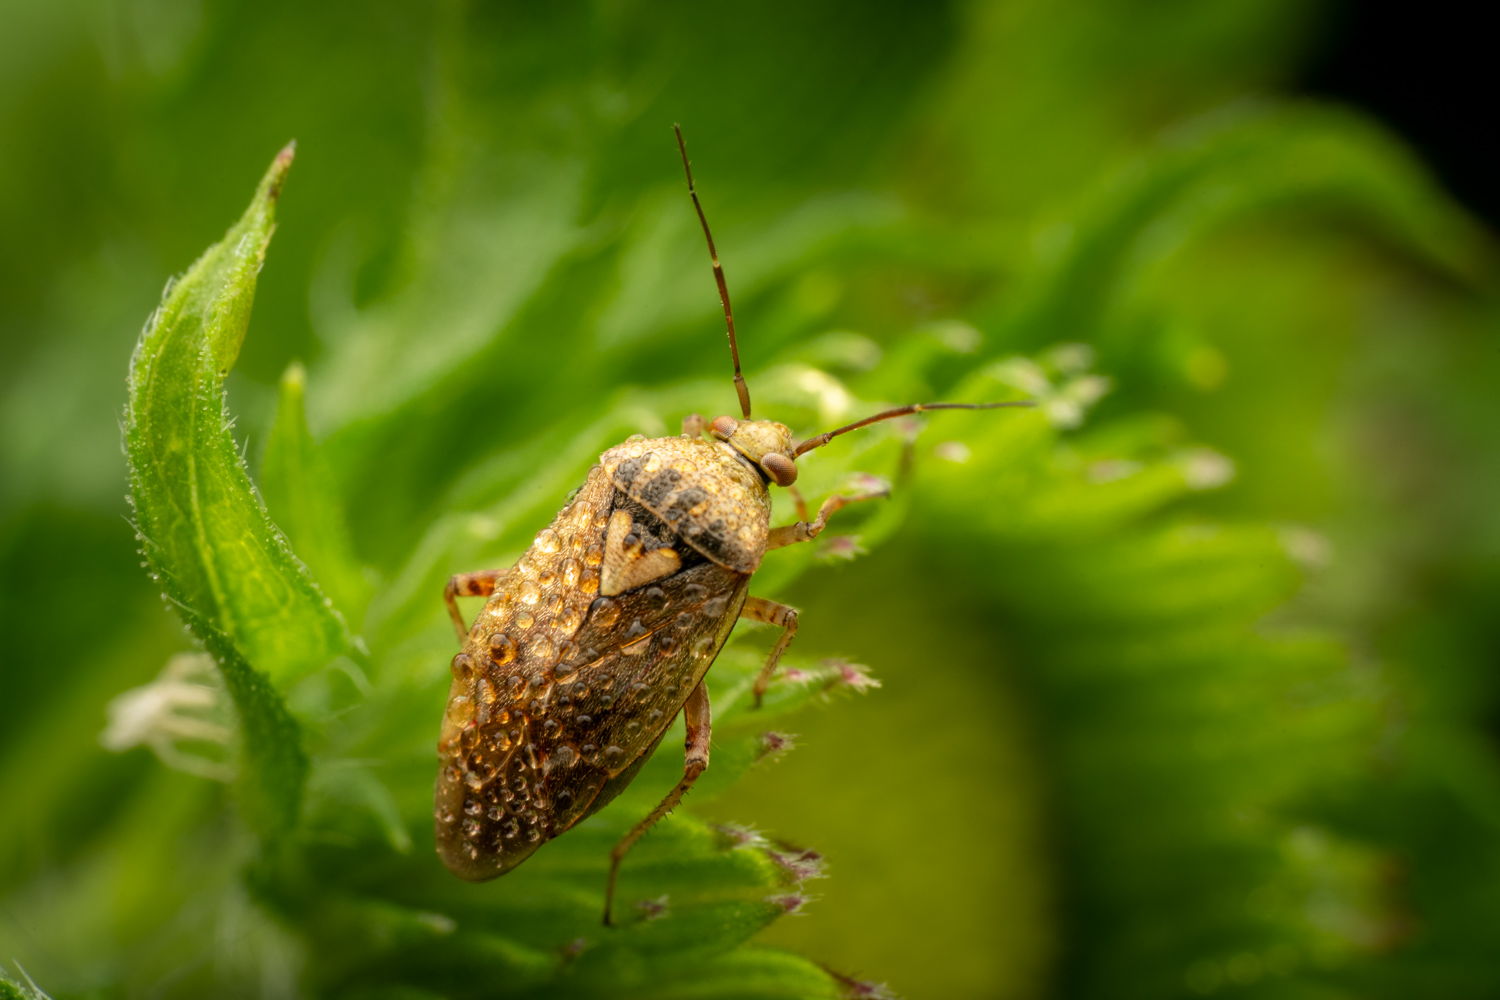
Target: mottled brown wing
column 711, row 500
column 490, row 812
column 604, row 717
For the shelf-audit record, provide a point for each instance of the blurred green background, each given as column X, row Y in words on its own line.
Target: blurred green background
column 1186, row 692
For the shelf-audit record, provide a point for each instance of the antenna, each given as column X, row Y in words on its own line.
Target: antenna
column 734, row 349
column 900, row 411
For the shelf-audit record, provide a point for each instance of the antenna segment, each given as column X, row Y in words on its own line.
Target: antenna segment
column 900, row 411
column 734, row 349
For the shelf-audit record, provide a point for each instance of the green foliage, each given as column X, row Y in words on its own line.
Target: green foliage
column 1184, row 682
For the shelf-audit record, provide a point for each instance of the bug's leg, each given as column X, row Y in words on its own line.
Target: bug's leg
column 695, row 714
column 481, row 584
column 800, row 501
column 806, row 531
column 758, row 609
column 692, row 426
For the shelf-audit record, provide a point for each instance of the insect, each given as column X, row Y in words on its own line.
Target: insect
column 588, row 648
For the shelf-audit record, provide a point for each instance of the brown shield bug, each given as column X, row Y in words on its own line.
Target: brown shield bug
column 602, row 632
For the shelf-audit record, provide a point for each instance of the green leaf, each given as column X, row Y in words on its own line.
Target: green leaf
column 298, row 488
column 208, row 538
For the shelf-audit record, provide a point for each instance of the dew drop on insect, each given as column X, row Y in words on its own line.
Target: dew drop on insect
column 640, row 689
column 546, row 579
column 542, row 648
column 553, row 603
column 569, row 572
column 474, row 781
column 604, row 612
column 568, row 621
column 502, row 648
column 472, row 808
column 563, row 756
column 529, row 592
column 656, row 598
column 590, row 752
column 594, row 556
column 585, row 720
column 670, row 690
column 549, row 728
column 546, row 540
column 606, row 700
column 684, row 619
column 704, row 647
column 589, row 584
column 524, row 620
column 715, row 608
column 632, row 728
column 471, row 828
column 515, row 735
column 668, row 644
column 564, row 798
column 463, row 667
column 484, row 690
column 534, row 835
column 515, row 684
column 495, row 812
column 537, row 680
column 654, row 717
column 613, row 754
column 635, row 631
column 563, row 670
column 695, row 592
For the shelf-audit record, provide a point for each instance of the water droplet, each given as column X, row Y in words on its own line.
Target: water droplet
column 542, row 648
column 654, row 717
column 613, row 754
column 695, row 592
column 715, row 608
column 564, row 798
column 471, row 828
column 549, row 728
column 474, row 781
column 568, row 622
column 590, row 751
column 635, row 631
column 585, row 720
column 546, row 540
column 463, row 667
column 606, row 700
column 640, row 689
column 632, row 728
column 656, row 598
column 495, row 812
column 684, row 619
column 444, row 815
column 515, row 737
column 472, row 808
column 570, row 572
column 589, row 584
column 529, row 592
column 604, row 612
column 515, row 684
column 534, row 835
column 668, row 644
column 546, row 580
column 523, row 620
column 704, row 647
column 563, row 756
column 553, row 603
column 538, row 680
column 484, row 690
column 594, row 556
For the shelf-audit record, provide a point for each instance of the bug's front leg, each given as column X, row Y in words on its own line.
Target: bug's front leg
column 481, row 584
column 758, row 609
column 806, row 531
column 695, row 713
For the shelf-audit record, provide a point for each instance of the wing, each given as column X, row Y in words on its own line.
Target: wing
column 605, row 717
column 558, row 692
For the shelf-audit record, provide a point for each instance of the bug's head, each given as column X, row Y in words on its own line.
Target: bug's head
column 765, row 442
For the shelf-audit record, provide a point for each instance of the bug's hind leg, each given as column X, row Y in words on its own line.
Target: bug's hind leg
column 758, row 609
column 695, row 713
column 481, row 584
column 806, row 531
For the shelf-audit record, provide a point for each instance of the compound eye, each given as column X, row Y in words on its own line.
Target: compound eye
column 782, row 470
column 724, row 427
